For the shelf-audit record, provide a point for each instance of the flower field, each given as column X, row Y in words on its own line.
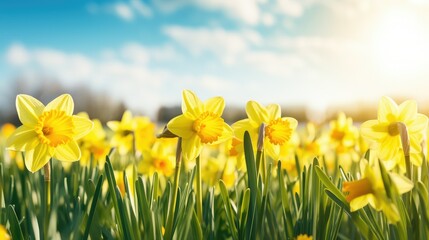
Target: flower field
column 64, row 175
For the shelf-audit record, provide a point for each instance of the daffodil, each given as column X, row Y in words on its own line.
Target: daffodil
column 311, row 143
column 278, row 129
column 94, row 145
column 201, row 123
column 144, row 130
column 371, row 189
column 235, row 151
column 131, row 178
column 4, row 234
column 304, row 237
column 10, row 156
column 384, row 133
column 160, row 158
column 343, row 134
column 48, row 131
column 123, row 131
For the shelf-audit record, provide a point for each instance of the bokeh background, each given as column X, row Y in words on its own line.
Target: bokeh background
column 313, row 57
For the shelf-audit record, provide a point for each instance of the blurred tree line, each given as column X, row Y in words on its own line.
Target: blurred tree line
column 97, row 104
column 101, row 105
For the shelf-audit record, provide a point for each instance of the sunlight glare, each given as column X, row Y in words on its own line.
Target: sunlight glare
column 400, row 44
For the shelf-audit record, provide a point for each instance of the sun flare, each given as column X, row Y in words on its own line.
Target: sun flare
column 400, row 43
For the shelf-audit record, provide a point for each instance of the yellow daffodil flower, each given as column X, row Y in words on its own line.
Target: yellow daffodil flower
column 343, row 134
column 4, row 234
column 131, row 178
column 144, row 130
column 371, row 189
column 201, row 123
column 278, row 130
column 94, row 143
column 160, row 158
column 384, row 132
column 123, row 138
column 304, row 237
column 10, row 156
column 48, row 131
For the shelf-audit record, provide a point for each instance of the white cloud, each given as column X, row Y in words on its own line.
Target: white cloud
column 246, row 11
column 122, row 74
column 216, row 84
column 135, row 53
column 123, row 11
column 274, row 63
column 127, row 11
column 17, row 55
column 291, row 8
column 138, row 53
column 268, row 19
column 141, row 8
column 224, row 44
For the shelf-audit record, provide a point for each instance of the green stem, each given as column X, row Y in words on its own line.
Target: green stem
column 259, row 149
column 47, row 177
column 170, row 218
column 199, row 191
column 405, row 141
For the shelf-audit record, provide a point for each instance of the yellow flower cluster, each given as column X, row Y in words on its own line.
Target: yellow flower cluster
column 395, row 140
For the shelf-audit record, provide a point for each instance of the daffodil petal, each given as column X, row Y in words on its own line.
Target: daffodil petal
column 37, row 158
column 215, row 105
column 358, row 203
column 29, row 109
column 386, row 108
column 402, row 183
column 407, row 110
column 293, row 123
column 391, row 212
column 22, row 139
column 419, row 124
column 274, row 111
column 69, row 152
column 191, row 148
column 272, row 150
column 389, row 147
column 227, row 134
column 191, row 103
column 416, row 159
column 82, row 126
column 63, row 103
column 114, row 125
column 244, row 125
column 127, row 120
column 256, row 112
column 373, row 130
column 181, row 126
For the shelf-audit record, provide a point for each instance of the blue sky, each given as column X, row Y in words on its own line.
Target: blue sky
column 293, row 52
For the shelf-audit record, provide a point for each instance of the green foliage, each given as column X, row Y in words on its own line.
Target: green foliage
column 265, row 202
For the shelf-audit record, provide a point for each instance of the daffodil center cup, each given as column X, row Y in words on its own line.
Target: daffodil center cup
column 337, row 135
column 278, row 131
column 357, row 188
column 393, row 129
column 209, row 127
column 55, row 128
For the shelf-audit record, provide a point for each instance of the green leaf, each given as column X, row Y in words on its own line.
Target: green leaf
column 253, row 185
column 93, row 206
column 331, row 187
column 228, row 210
column 15, row 227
